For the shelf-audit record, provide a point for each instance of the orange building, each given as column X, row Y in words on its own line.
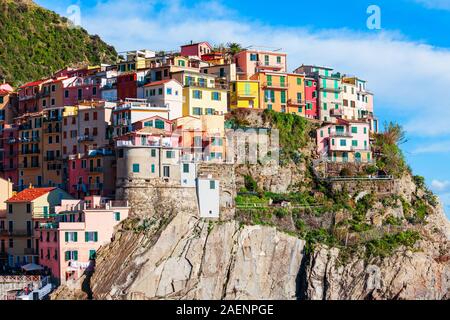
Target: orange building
column 52, row 144
column 296, row 94
column 30, row 150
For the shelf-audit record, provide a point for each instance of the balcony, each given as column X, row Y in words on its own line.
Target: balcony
column 29, row 140
column 331, row 89
column 336, row 112
column 96, row 170
column 30, row 252
column 11, row 140
column 296, row 102
column 96, row 186
column 275, row 85
column 85, row 138
column 19, row 233
column 268, row 65
column 247, row 94
column 52, row 119
column 343, row 134
column 52, row 130
column 32, row 151
column 53, row 158
column 32, row 166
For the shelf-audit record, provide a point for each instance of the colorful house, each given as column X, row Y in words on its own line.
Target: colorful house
column 30, row 150
column 201, row 95
column 196, row 49
column 29, row 95
column 329, row 89
column 296, row 103
column 249, row 62
column 69, row 242
column 244, row 94
column 87, row 127
column 345, row 141
column 54, row 174
column 25, row 211
column 311, row 96
column 92, row 173
column 273, row 90
column 6, row 192
column 167, row 93
column 10, row 139
column 81, row 89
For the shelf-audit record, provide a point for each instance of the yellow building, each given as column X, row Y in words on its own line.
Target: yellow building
column 25, row 211
column 244, row 94
column 201, row 94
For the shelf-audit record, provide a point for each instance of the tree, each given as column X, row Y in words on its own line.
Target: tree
column 234, row 47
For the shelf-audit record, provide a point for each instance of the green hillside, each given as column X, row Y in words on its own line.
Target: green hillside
column 35, row 42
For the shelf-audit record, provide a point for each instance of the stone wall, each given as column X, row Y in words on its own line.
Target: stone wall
column 380, row 187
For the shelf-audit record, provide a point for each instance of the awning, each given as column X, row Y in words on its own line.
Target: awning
column 32, row 267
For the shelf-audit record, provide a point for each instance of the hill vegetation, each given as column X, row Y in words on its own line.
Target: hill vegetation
column 36, row 42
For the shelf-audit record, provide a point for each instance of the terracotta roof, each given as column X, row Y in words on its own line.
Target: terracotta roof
column 157, row 83
column 32, row 84
column 30, row 194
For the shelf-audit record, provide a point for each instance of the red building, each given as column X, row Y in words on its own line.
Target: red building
column 92, row 173
column 127, row 86
column 80, row 89
column 10, row 140
column 29, row 97
column 311, row 110
column 196, row 49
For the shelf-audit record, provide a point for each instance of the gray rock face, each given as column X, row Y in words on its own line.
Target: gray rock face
column 195, row 259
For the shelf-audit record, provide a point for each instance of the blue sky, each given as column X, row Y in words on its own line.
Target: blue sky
column 407, row 62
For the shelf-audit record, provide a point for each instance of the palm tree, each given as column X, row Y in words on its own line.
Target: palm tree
column 234, row 47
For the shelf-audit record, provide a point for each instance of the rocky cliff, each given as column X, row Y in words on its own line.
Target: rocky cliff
column 310, row 240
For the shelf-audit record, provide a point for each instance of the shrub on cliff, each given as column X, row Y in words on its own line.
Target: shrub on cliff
column 389, row 243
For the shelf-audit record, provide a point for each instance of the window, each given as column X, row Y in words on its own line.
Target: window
column 94, row 132
column 354, row 129
column 325, row 106
column 212, row 184
column 71, row 255
column 321, row 133
column 91, row 236
column 197, row 111
column 94, row 91
column 71, row 236
column 365, row 130
column 185, row 167
column 28, row 207
column 279, row 60
column 95, row 115
column 153, row 168
column 299, row 81
column 197, row 94
column 198, row 141
column 269, row 107
column 283, row 96
column 343, row 143
column 159, row 124
column 148, row 123
column 153, row 153
column 169, row 90
column 160, row 91
column 266, row 60
column 166, row 171
column 135, row 168
column 10, row 208
column 92, row 254
column 354, row 143
column 253, row 57
column 215, row 96
column 209, row 111
column 170, row 154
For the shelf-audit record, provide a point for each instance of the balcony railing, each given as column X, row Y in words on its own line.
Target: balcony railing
column 275, row 85
column 344, row 134
column 53, row 158
column 32, row 151
column 269, row 65
column 19, row 233
column 249, row 94
column 296, row 102
column 96, row 170
column 96, row 186
column 29, row 139
column 32, row 166
column 52, row 119
column 336, row 112
column 332, row 89
column 53, row 130
column 85, row 138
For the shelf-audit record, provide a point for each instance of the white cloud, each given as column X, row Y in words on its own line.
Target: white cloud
column 440, row 186
column 412, row 79
column 435, row 147
column 435, row 4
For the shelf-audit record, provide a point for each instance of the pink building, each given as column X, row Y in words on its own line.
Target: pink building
column 68, row 245
column 196, row 49
column 250, row 62
column 80, row 89
column 345, row 141
column 311, row 94
column 92, row 173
